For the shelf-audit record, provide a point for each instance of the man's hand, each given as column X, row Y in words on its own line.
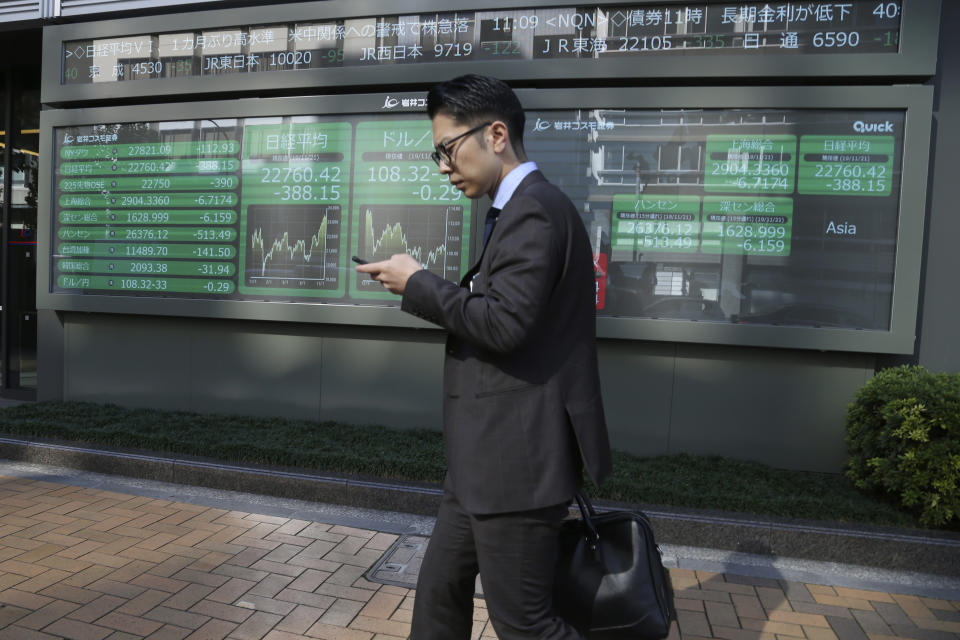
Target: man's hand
column 392, row 273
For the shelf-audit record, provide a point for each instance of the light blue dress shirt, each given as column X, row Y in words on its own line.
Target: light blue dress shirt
column 510, row 183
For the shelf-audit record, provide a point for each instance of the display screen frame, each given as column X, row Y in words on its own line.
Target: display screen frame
column 916, row 56
column 917, row 103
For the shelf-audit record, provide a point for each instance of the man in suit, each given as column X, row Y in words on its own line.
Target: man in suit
column 522, row 408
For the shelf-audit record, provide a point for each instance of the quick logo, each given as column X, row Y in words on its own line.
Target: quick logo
column 872, row 127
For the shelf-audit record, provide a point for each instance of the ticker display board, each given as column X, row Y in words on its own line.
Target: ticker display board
column 607, row 32
column 746, row 216
column 261, row 208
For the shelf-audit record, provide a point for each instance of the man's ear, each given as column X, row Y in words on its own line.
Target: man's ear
column 500, row 137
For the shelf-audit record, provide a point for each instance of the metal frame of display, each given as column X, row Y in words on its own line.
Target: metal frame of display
column 917, row 56
column 8, row 124
column 917, row 101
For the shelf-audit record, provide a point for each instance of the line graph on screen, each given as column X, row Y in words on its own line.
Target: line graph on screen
column 431, row 234
column 293, row 243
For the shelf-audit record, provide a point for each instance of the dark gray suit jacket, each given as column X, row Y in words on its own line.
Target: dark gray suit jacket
column 521, row 405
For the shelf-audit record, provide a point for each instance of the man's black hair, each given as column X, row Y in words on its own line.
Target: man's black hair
column 472, row 99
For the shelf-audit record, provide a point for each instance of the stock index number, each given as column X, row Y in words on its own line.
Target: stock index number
column 298, row 175
column 393, row 173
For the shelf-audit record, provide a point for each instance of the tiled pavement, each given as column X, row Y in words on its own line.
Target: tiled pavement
column 89, row 564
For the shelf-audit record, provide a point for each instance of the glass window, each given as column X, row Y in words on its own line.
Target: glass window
column 21, row 268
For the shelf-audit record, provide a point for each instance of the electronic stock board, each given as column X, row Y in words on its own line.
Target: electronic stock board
column 762, row 216
column 339, row 43
column 599, row 32
column 739, row 208
column 265, row 208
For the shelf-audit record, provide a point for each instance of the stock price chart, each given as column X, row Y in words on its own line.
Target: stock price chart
column 402, row 204
column 295, row 185
column 255, row 209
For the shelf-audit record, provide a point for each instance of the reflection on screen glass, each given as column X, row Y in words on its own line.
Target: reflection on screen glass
column 782, row 217
column 747, row 216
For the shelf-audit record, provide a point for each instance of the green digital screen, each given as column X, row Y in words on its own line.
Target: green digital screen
column 401, row 204
column 750, row 163
column 295, row 190
column 655, row 223
column 764, row 216
column 146, row 217
column 258, row 209
column 747, row 226
column 847, row 165
column 729, row 225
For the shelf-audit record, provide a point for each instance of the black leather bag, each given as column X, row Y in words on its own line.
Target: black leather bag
column 610, row 581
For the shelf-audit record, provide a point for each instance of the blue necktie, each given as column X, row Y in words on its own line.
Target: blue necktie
column 491, row 220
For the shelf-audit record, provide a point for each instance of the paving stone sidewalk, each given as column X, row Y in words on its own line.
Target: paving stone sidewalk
column 88, row 564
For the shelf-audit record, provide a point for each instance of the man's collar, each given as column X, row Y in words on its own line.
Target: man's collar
column 510, row 183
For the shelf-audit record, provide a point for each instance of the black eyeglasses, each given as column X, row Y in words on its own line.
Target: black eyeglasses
column 441, row 152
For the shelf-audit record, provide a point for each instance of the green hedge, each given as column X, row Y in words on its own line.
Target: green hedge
column 903, row 433
column 701, row 482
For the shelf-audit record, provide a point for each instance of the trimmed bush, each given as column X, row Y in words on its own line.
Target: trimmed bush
column 903, row 433
column 699, row 482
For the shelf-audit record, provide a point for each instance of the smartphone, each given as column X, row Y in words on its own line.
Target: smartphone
column 360, row 260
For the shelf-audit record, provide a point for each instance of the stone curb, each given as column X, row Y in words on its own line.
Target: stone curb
column 883, row 547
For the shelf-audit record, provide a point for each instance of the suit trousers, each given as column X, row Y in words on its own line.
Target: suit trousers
column 515, row 554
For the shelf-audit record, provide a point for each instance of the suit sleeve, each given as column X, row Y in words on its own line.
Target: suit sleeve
column 523, row 264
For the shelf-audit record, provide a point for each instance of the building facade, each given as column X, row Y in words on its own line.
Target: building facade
column 765, row 185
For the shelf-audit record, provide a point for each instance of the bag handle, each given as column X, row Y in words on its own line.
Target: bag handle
column 586, row 507
column 587, row 514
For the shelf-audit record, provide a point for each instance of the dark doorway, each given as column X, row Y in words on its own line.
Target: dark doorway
column 20, row 137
